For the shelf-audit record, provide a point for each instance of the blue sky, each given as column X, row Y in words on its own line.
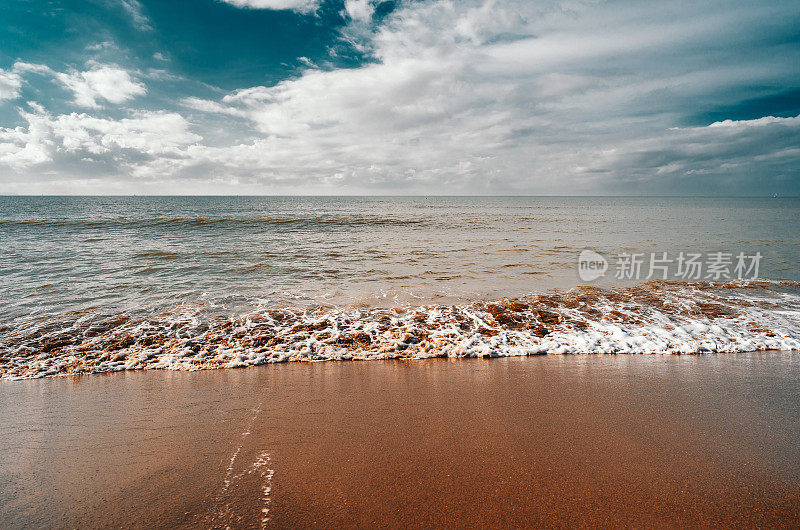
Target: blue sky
column 401, row 97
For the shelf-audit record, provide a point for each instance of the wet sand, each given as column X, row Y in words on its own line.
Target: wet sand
column 554, row 440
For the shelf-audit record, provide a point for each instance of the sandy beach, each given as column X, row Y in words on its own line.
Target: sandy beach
column 553, row 440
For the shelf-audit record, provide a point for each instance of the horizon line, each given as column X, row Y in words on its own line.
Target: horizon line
column 126, row 195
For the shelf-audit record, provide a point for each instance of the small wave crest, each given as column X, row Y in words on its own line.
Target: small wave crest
column 653, row 317
column 212, row 221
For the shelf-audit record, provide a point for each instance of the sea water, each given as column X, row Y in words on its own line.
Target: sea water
column 110, row 283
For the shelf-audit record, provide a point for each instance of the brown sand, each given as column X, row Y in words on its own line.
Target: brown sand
column 561, row 441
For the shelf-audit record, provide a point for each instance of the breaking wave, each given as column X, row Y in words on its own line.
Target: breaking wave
column 653, row 317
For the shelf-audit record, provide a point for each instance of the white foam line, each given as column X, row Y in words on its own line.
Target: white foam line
column 261, row 465
column 650, row 318
column 222, row 508
column 229, row 470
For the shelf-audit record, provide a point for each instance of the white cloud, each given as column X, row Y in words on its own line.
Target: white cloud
column 104, row 45
column 151, row 133
column 204, row 105
column 24, row 67
column 360, row 10
column 306, row 61
column 301, row 6
column 133, row 142
column 107, row 82
column 760, row 122
column 11, row 80
column 21, row 148
column 10, row 83
column 134, row 9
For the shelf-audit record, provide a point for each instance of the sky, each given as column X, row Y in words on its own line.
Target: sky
column 405, row 97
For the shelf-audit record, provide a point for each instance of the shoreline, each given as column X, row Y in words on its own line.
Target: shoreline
column 624, row 440
column 395, row 358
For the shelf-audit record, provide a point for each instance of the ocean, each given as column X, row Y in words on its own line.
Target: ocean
column 93, row 284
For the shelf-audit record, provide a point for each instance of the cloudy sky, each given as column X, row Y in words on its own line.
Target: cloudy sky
column 404, row 97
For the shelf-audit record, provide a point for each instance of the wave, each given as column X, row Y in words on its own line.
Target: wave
column 211, row 221
column 653, row 317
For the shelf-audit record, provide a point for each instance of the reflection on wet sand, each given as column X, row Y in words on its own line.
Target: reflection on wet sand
column 642, row 440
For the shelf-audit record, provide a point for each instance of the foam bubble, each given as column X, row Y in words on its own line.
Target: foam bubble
column 653, row 317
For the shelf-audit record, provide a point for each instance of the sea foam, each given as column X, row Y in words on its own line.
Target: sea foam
column 653, row 318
